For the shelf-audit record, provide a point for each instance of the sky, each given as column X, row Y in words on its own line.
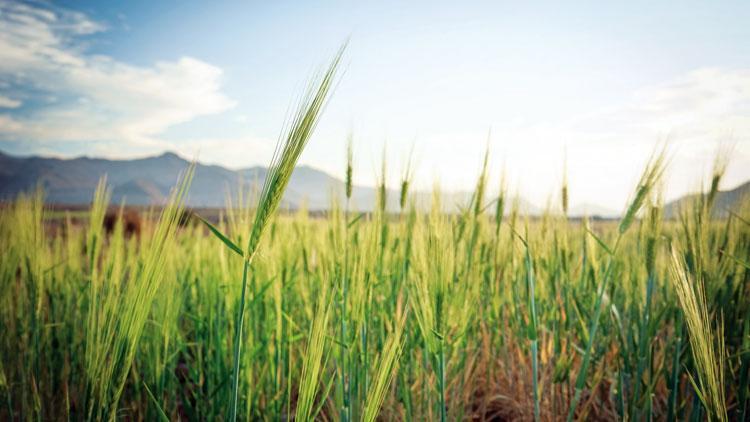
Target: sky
column 591, row 88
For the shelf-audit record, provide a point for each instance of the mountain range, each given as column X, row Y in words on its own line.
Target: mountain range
column 147, row 181
column 726, row 201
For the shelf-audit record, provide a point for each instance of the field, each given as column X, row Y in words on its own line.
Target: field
column 481, row 314
column 409, row 316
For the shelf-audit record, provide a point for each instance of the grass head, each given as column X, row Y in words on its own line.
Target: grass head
column 481, row 183
column 500, row 203
column 349, row 166
column 289, row 148
column 382, row 185
column 564, row 190
column 721, row 161
column 653, row 230
column 650, row 177
column 707, row 346
column 405, row 181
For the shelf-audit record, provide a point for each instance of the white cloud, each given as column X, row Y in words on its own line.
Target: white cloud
column 100, row 98
column 696, row 112
column 701, row 104
column 6, row 102
column 229, row 152
column 10, row 125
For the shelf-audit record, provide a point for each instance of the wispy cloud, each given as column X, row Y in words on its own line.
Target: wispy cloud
column 6, row 102
column 699, row 106
column 81, row 97
column 697, row 113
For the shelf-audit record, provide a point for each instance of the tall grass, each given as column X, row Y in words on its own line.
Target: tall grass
column 650, row 177
column 288, row 150
column 707, row 348
column 118, row 313
column 313, row 362
column 386, row 367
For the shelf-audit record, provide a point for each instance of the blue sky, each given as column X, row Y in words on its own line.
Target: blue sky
column 597, row 82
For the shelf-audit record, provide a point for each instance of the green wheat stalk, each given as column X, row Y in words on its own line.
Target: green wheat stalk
column 707, row 347
column 285, row 157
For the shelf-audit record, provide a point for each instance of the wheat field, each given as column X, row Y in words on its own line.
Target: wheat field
column 479, row 314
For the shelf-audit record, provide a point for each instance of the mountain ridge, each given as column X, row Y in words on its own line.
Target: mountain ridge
column 147, row 181
column 725, row 201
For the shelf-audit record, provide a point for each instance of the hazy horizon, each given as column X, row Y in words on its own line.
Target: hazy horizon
column 599, row 84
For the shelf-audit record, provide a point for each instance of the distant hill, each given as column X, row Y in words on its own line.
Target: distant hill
column 147, row 181
column 725, row 201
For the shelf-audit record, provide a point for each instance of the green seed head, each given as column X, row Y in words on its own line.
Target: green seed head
column 349, row 168
column 651, row 175
column 404, row 193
